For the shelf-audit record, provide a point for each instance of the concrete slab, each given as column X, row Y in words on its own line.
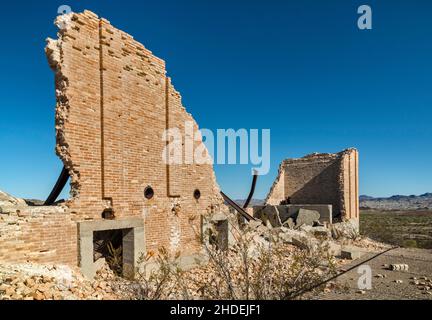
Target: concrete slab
column 291, row 210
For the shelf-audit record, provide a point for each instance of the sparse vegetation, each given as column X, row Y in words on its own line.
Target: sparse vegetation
column 403, row 228
column 115, row 258
column 247, row 271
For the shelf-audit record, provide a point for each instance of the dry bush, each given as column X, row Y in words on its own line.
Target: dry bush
column 263, row 271
column 157, row 276
column 346, row 230
column 115, row 258
column 253, row 268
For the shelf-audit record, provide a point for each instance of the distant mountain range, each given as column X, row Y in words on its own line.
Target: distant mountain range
column 398, row 202
column 254, row 202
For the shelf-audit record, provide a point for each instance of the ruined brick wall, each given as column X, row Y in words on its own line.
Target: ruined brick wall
column 114, row 101
column 38, row 234
column 320, row 179
column 277, row 191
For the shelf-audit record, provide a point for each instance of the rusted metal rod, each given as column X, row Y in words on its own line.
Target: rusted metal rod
column 239, row 209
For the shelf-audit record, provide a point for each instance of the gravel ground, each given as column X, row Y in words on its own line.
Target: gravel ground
column 416, row 283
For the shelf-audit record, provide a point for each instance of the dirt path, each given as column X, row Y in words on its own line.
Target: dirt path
column 389, row 286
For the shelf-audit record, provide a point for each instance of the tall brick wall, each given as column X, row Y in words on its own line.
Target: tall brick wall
column 114, row 101
column 320, row 179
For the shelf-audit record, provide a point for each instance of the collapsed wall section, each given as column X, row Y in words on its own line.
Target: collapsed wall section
column 319, row 179
column 114, row 103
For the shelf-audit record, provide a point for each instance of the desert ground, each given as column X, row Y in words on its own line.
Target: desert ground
column 410, row 231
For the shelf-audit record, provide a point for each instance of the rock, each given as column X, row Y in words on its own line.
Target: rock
column 351, row 253
column 348, row 229
column 254, row 224
column 306, row 228
column 290, row 223
column 37, row 295
column 398, row 281
column 29, row 282
column 10, row 291
column 305, row 242
column 361, row 291
column 307, row 217
column 99, row 264
column 334, row 249
column 3, row 287
column 262, row 230
column 269, row 215
column 286, row 235
column 9, row 204
column 257, row 244
column 399, row 267
column 321, row 232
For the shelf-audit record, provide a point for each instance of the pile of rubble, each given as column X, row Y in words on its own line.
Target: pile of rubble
column 9, row 204
column 31, row 281
column 304, row 230
column 423, row 283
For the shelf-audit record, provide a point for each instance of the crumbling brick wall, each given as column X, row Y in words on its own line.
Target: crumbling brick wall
column 114, row 101
column 319, row 179
column 38, row 234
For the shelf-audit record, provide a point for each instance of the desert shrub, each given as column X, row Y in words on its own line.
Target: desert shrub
column 157, row 276
column 264, row 271
column 410, row 243
column 253, row 268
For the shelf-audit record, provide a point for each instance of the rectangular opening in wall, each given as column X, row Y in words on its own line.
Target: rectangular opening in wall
column 108, row 246
column 119, row 242
column 222, row 234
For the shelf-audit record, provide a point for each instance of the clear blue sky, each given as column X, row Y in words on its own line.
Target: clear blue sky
column 300, row 68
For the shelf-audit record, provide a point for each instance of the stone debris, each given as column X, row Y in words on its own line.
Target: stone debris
column 422, row 283
column 347, row 229
column 52, row 282
column 351, row 253
column 398, row 281
column 9, row 204
column 277, row 216
column 290, row 223
column 399, row 267
column 270, row 215
column 309, row 237
column 318, row 231
column 307, row 217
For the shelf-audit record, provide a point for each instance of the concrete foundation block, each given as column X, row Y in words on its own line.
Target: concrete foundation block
column 280, row 214
column 351, row 253
column 133, row 243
